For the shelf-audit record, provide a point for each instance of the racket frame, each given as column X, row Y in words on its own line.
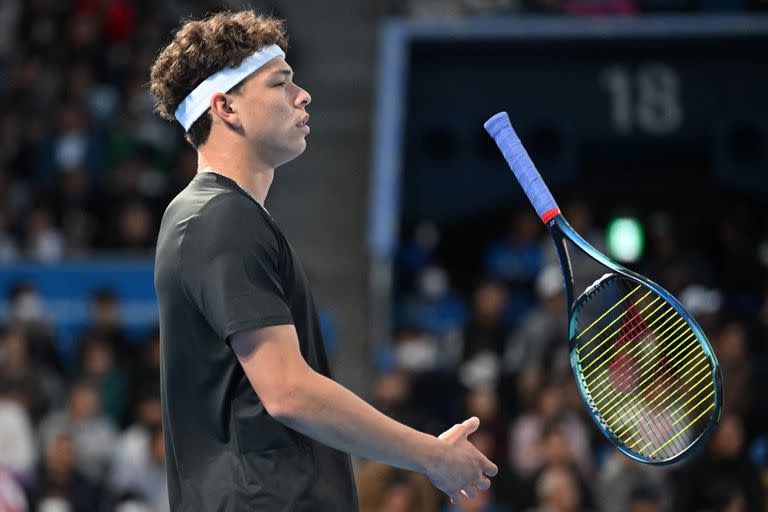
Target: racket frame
column 560, row 230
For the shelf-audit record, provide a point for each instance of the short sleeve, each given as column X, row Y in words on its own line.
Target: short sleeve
column 229, row 260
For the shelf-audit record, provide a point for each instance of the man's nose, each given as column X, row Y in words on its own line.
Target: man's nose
column 303, row 98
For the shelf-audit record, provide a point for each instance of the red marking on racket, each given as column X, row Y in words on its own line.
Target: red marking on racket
column 662, row 373
column 622, row 385
column 658, row 407
column 550, row 214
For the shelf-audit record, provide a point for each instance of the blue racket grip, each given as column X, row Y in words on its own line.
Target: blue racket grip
column 502, row 132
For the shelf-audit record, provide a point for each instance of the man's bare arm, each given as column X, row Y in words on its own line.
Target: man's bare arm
column 322, row 409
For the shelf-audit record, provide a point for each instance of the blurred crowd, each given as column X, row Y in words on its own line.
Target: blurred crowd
column 86, row 166
column 489, row 339
column 82, row 433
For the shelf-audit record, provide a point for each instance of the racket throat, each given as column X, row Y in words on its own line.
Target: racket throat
column 565, row 266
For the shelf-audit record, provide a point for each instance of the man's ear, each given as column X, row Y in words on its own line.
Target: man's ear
column 221, row 107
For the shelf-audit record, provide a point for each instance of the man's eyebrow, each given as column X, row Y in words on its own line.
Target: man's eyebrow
column 285, row 72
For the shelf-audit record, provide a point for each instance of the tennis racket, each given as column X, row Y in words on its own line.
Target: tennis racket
column 643, row 366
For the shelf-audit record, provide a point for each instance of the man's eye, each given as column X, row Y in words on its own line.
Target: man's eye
column 281, row 84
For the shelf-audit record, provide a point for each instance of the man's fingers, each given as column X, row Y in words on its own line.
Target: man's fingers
column 470, row 425
column 460, row 429
column 489, row 468
column 452, row 432
column 483, row 484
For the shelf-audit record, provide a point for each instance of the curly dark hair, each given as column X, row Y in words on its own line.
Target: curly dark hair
column 202, row 47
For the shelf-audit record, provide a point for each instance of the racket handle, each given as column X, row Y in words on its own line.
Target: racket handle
column 502, row 132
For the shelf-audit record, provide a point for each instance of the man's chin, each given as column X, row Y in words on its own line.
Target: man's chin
column 294, row 154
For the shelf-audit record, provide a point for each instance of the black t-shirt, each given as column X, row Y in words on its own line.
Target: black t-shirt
column 222, row 265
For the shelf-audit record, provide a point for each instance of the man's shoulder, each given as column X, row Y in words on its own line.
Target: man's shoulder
column 227, row 219
column 197, row 199
column 212, row 207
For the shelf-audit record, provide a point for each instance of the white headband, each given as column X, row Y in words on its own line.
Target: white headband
column 199, row 100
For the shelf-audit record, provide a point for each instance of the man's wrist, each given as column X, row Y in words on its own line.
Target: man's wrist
column 430, row 454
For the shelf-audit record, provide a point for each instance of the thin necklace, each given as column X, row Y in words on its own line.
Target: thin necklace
column 208, row 169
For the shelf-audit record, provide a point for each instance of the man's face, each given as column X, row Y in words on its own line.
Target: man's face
column 271, row 108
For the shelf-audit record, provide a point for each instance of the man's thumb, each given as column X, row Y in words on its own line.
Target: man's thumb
column 471, row 425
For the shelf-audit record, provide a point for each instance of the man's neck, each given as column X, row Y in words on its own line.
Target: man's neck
column 250, row 174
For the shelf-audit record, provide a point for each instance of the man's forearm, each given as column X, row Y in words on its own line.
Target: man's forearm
column 326, row 411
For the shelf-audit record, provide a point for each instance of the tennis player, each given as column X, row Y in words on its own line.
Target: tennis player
column 252, row 418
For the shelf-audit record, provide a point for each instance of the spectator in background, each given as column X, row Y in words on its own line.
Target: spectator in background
column 390, row 395
column 137, row 121
column 93, row 434
column 74, row 144
column 557, row 491
column 484, row 337
column 125, row 184
column 415, row 254
column 386, row 488
column 527, row 434
column 105, row 324
column 416, row 351
column 83, row 32
column 730, row 345
column 23, row 136
column 18, row 447
column 44, row 242
column 705, row 304
column 144, row 480
column 134, row 445
column 541, row 340
column 33, row 386
column 145, row 375
column 438, row 310
column 59, row 483
column 28, row 77
column 99, row 99
column 555, row 447
column 723, row 476
column 133, row 192
column 26, row 311
column 486, row 330
column 136, row 228
column 77, row 208
column 668, row 263
column 518, row 258
column 97, row 363
column 623, row 484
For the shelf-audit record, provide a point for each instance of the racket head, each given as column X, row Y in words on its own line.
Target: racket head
column 643, row 366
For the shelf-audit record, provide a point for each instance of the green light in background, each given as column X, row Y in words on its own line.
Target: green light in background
column 625, row 239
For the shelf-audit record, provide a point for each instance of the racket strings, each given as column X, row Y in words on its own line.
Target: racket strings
column 628, row 423
column 635, row 324
column 643, row 367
